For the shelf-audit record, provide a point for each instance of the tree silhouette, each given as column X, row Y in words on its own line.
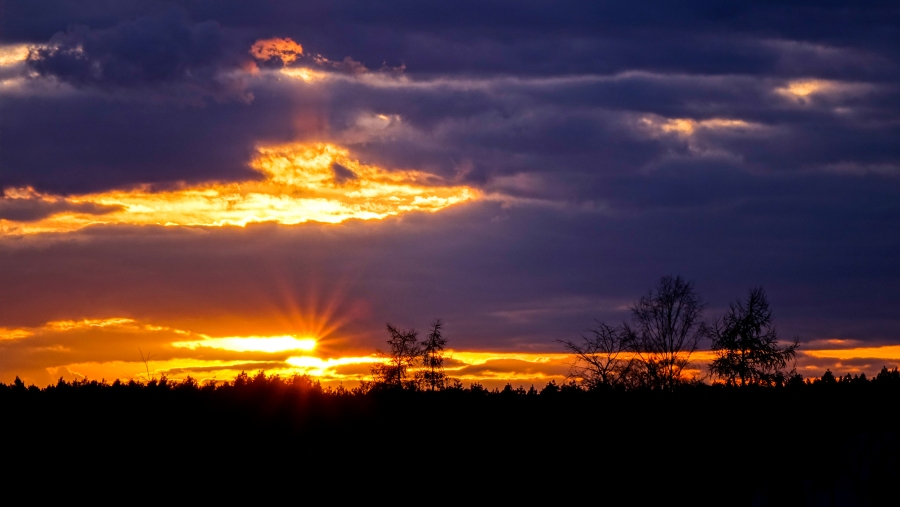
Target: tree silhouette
column 433, row 357
column 603, row 359
column 746, row 344
column 668, row 327
column 403, row 354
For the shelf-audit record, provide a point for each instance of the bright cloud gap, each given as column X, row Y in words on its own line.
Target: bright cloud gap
column 303, row 182
column 252, row 343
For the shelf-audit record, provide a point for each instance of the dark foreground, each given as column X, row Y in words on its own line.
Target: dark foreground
column 808, row 444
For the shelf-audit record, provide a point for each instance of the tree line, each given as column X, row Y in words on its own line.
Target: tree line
column 651, row 351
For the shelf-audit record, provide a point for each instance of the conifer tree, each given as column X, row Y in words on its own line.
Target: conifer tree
column 403, row 354
column 746, row 344
column 433, row 357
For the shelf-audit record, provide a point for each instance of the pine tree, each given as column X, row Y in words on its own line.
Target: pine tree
column 433, row 357
column 746, row 344
column 404, row 353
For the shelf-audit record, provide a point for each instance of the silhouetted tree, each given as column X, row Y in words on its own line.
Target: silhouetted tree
column 887, row 378
column 550, row 389
column 433, row 357
column 827, row 378
column 604, row 358
column 746, row 344
column 403, row 354
column 668, row 327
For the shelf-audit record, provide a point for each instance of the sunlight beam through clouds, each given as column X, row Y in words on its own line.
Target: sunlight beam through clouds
column 302, row 182
column 12, row 54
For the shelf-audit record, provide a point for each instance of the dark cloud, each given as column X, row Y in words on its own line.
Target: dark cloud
column 342, row 174
column 29, row 210
column 90, row 142
column 146, row 52
column 536, row 37
column 578, row 123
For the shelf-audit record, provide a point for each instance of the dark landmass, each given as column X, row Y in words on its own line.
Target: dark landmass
column 832, row 441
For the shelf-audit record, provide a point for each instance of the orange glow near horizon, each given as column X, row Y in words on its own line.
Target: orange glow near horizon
column 888, row 352
column 302, row 182
column 319, row 367
column 78, row 349
column 477, row 358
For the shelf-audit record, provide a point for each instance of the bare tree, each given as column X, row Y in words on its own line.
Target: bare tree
column 746, row 344
column 603, row 359
column 433, row 357
column 404, row 353
column 146, row 361
column 668, row 326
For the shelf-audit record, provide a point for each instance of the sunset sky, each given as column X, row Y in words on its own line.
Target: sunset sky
column 261, row 185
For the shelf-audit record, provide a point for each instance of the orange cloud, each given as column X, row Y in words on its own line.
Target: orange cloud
column 108, row 348
column 252, row 343
column 302, row 182
column 886, row 353
column 13, row 54
column 801, row 91
column 284, row 49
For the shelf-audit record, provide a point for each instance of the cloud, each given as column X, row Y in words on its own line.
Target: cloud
column 347, row 65
column 285, row 50
column 513, row 369
column 146, row 52
column 31, row 209
column 252, row 343
column 224, row 368
column 103, row 141
column 302, row 183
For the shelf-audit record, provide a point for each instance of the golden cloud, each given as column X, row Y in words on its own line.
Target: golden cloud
column 252, row 343
column 13, row 54
column 285, row 50
column 302, row 182
column 688, row 126
column 802, row 91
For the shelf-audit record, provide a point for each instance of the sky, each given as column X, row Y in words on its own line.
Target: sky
column 213, row 184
